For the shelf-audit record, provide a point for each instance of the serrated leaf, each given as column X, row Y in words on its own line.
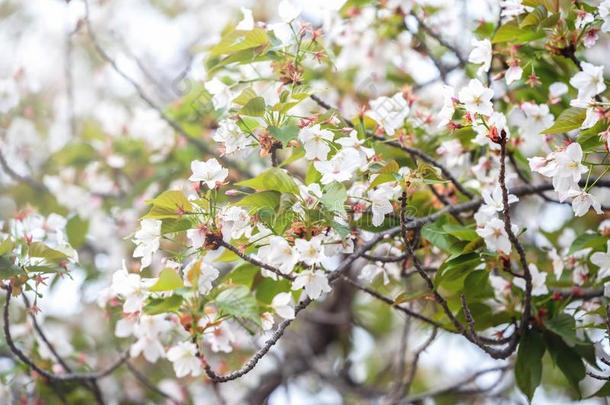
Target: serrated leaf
column 39, row 249
column 477, row 286
column 169, row 204
column 511, row 32
column 8, row 269
column 246, row 95
column 260, row 200
column 254, row 107
column 461, row 232
column 76, row 230
column 237, row 41
column 238, row 302
column 534, row 18
column 588, row 240
column 157, row 306
column 285, row 134
column 568, row 120
column 169, row 280
column 272, row 179
column 6, row 246
column 457, row 267
column 567, row 359
column 528, row 367
column 334, row 196
column 563, row 325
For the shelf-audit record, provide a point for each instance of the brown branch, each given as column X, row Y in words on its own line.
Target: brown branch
column 82, row 377
column 255, row 261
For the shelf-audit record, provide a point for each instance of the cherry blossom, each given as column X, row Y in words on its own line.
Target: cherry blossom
column 389, row 112
column 283, row 305
column 185, row 360
column 481, row 55
column 314, row 282
column 495, row 236
column 476, row 98
column 315, row 141
column 209, row 172
column 147, row 240
column 538, row 281
column 602, row 260
column 589, row 82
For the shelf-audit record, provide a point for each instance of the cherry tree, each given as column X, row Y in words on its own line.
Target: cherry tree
column 403, row 173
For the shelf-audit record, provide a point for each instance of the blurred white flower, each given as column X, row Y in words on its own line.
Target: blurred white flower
column 481, row 54
column 147, row 240
column 184, row 359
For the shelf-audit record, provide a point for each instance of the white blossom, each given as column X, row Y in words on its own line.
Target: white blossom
column 221, row 93
column 481, row 54
column 476, row 98
column 147, row 240
column 279, row 254
column 495, row 236
column 316, row 142
column 602, row 260
column 340, row 167
column 538, row 281
column 582, row 201
column 184, row 359
column 231, row 135
column 389, row 112
column 589, row 82
column 9, row 95
column 209, row 172
column 314, row 282
column 283, row 305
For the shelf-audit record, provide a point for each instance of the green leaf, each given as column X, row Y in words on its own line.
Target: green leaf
column 39, row 249
column 528, row 367
column 285, row 134
column 550, row 5
column 477, row 287
column 457, row 267
column 567, row 359
column 588, row 240
column 6, row 246
column 76, row 230
column 534, row 18
column 254, row 108
column 246, row 95
column 435, row 233
column 334, row 196
column 236, row 41
column 461, row 232
column 169, row 204
column 260, row 200
column 243, row 274
column 238, row 302
column 563, row 325
column 589, row 139
column 8, row 269
column 569, row 119
column 511, row 32
column 169, row 280
column 162, row 305
column 272, row 179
